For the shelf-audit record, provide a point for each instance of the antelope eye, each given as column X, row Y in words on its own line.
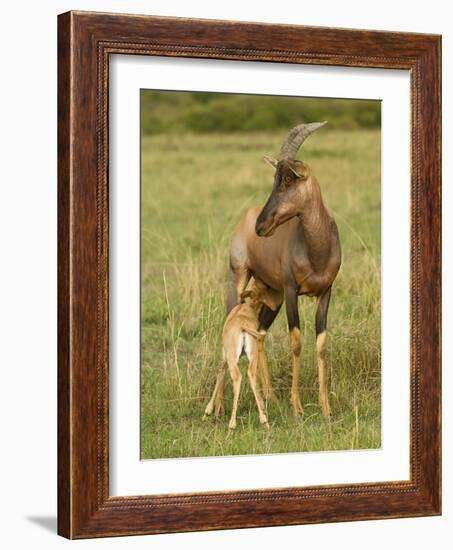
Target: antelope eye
column 288, row 179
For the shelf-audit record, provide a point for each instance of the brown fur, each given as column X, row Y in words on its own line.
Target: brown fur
column 292, row 245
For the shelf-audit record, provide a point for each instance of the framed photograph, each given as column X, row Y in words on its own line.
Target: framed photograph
column 249, row 275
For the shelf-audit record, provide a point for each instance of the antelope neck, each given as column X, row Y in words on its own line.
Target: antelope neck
column 316, row 223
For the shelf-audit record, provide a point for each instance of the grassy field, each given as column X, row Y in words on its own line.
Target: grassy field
column 195, row 188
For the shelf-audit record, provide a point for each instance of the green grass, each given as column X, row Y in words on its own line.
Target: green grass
column 195, row 188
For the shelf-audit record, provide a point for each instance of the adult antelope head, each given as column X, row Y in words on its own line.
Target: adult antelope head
column 291, row 182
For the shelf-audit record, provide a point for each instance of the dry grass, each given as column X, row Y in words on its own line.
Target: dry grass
column 194, row 191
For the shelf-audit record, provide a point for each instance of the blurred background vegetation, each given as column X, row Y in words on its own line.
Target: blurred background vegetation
column 207, row 112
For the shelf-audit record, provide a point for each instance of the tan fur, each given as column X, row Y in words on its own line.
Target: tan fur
column 322, row 373
column 242, row 320
column 295, row 356
column 263, row 372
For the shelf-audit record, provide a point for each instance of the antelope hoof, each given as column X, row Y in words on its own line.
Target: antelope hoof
column 263, row 420
column 208, row 411
column 297, row 406
column 232, row 424
column 326, row 409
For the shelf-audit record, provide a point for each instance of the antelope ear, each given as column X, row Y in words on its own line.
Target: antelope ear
column 272, row 162
column 295, row 173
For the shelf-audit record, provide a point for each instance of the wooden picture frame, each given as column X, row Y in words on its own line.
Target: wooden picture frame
column 85, row 42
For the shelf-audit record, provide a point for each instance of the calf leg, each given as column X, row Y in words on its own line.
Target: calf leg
column 220, row 397
column 236, row 378
column 321, row 326
column 263, row 371
column 217, row 394
column 252, row 370
column 292, row 313
column 266, row 318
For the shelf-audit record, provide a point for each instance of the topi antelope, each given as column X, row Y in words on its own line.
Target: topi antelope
column 292, row 245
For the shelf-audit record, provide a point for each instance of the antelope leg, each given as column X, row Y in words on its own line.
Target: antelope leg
column 266, row 318
column 295, row 341
column 252, row 370
column 321, row 327
column 218, row 386
column 236, row 378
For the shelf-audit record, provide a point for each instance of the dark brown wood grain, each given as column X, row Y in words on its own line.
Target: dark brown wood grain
column 85, row 42
column 64, row 425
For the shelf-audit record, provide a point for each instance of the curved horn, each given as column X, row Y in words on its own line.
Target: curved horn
column 296, row 137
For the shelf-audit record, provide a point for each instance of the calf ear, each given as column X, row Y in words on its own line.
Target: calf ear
column 272, row 162
column 246, row 294
column 272, row 298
